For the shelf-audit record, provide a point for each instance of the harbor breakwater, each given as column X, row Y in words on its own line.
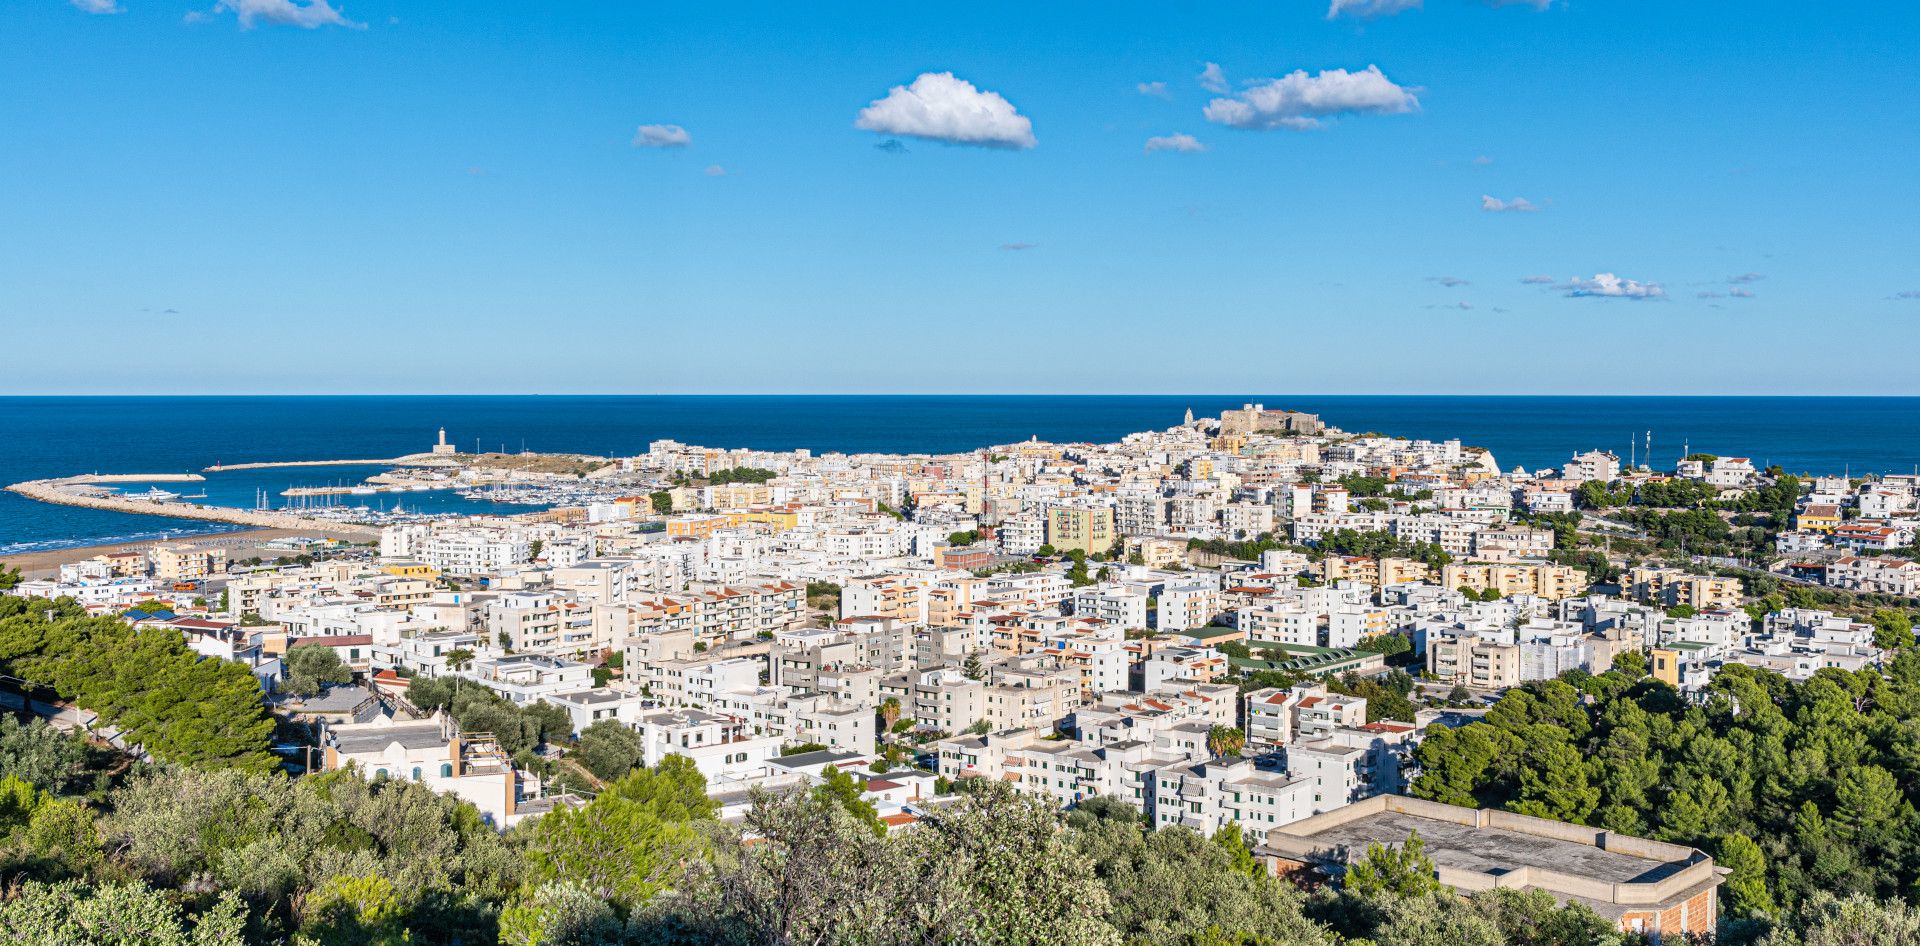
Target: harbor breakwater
column 60, row 491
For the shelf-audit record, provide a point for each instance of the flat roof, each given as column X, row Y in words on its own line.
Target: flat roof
column 357, row 740
column 1493, row 850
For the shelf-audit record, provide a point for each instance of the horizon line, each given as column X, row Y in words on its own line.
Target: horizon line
column 935, row 394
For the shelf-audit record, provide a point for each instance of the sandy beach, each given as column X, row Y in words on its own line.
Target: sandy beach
column 239, row 544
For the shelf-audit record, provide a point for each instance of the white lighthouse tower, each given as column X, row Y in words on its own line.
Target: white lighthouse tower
column 443, row 448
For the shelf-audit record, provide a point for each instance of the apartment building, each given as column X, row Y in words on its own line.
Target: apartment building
column 171, row 563
column 1892, row 576
column 1112, row 603
column 1275, row 717
column 886, row 596
column 1474, row 662
column 1552, row 582
column 1672, row 587
column 719, row 614
column 1088, row 529
column 1186, row 607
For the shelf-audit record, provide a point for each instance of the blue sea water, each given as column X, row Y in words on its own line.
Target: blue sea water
column 56, row 436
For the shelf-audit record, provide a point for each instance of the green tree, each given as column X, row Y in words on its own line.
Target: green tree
column 814, row 874
column 1535, row 918
column 1857, row 920
column 1865, row 796
column 843, row 790
column 312, row 667
column 1746, row 887
column 1402, row 870
column 633, row 840
column 1554, row 785
column 73, row 913
column 42, row 756
column 1892, row 629
column 560, row 914
column 973, row 668
column 995, row 864
column 1177, row 886
column 1226, row 741
column 1233, row 839
column 1433, row 918
column 608, row 749
column 348, row 911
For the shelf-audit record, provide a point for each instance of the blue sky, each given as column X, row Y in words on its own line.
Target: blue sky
column 449, row 197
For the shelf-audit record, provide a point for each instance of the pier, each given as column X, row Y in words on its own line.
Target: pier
column 61, row 491
column 411, row 458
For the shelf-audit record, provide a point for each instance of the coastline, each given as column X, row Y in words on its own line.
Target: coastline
column 240, row 543
column 57, row 491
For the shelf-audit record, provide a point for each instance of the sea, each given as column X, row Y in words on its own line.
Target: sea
column 58, row 436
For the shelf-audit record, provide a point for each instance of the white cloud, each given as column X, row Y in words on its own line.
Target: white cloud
column 1739, row 293
column 939, row 107
column 310, row 15
column 99, row 6
column 1907, row 294
column 1537, row 280
column 1213, row 79
column 715, row 170
column 1016, row 247
column 1157, row 90
column 1370, row 8
column 1746, row 278
column 1609, row 286
column 662, row 136
column 1492, row 204
column 1483, row 160
column 1534, row 4
column 1298, row 101
column 1449, row 281
column 1179, row 142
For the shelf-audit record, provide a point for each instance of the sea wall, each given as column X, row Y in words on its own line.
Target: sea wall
column 414, row 459
column 52, row 491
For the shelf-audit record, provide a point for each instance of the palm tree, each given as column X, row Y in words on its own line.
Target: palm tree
column 890, row 711
column 1226, row 741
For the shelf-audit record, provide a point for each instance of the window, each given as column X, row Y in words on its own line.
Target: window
column 416, row 773
column 446, row 770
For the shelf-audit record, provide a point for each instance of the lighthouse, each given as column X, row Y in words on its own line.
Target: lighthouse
column 443, row 448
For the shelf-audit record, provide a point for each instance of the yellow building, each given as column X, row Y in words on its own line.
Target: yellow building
column 186, row 562
column 740, row 495
column 1157, row 552
column 780, row 519
column 1553, row 582
column 1671, row 587
column 1666, row 666
column 1818, row 517
column 697, row 527
column 1089, row 529
column 410, row 569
